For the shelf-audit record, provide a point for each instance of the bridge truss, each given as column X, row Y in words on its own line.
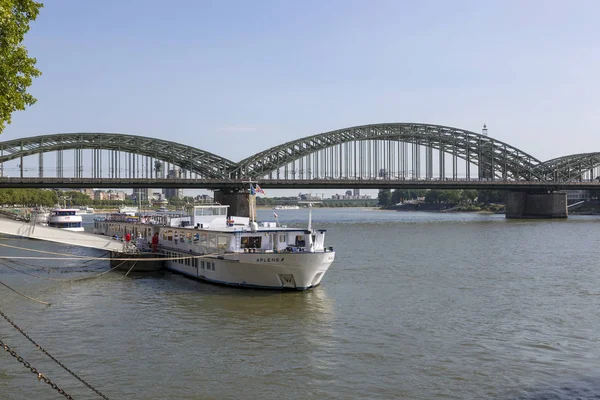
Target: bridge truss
column 575, row 167
column 395, row 152
column 115, row 156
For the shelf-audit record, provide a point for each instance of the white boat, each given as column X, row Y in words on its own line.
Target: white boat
column 40, row 215
column 206, row 245
column 86, row 210
column 128, row 210
column 286, row 207
column 65, row 218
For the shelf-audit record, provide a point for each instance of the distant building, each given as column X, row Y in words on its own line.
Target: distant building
column 114, row 195
column 309, row 196
column 350, row 196
column 203, row 198
column 142, row 195
column 89, row 193
column 578, row 195
column 171, row 192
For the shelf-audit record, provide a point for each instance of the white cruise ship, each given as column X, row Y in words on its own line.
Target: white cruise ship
column 65, row 218
column 206, row 245
column 286, row 207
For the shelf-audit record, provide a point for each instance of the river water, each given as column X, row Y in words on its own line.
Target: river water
column 416, row 306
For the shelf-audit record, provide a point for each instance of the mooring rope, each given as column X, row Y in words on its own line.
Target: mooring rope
column 39, row 251
column 90, row 258
column 24, row 295
column 58, row 279
column 58, row 267
column 131, row 268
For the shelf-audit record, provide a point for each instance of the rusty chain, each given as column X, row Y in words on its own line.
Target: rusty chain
column 53, row 359
column 40, row 376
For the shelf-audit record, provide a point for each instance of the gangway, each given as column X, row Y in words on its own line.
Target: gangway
column 576, row 204
column 41, row 232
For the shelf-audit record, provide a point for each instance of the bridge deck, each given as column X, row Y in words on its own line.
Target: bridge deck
column 34, row 231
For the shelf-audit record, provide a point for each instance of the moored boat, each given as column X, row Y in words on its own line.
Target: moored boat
column 65, row 218
column 128, row 210
column 39, row 215
column 207, row 245
column 286, row 207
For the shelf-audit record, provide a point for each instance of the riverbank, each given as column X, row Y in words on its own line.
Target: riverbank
column 449, row 207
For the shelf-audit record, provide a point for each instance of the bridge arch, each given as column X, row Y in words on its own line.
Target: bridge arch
column 573, row 167
column 203, row 163
column 499, row 159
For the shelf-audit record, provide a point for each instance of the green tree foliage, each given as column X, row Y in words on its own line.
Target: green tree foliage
column 75, row 198
column 17, row 69
column 400, row 195
column 443, row 196
column 384, row 197
column 179, row 202
column 28, row 197
column 469, row 196
column 491, row 196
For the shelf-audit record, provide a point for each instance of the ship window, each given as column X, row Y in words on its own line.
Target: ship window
column 281, row 238
column 222, row 242
column 251, row 242
column 203, row 239
column 212, row 241
column 213, row 266
column 300, row 241
column 202, row 264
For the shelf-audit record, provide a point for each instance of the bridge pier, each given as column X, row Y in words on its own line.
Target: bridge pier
column 536, row 205
column 238, row 201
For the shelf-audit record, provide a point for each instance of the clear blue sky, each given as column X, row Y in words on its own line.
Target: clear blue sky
column 235, row 77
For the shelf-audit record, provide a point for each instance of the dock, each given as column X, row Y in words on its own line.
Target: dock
column 16, row 227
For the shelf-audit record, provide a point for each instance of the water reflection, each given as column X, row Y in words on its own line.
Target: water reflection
column 213, row 301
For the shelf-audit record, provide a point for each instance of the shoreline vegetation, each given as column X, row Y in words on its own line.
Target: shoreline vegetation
column 478, row 201
column 496, row 208
column 482, row 201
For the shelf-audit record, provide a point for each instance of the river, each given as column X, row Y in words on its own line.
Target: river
column 416, row 306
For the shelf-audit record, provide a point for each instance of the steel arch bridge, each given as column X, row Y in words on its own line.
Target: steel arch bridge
column 574, row 167
column 197, row 161
column 386, row 145
column 389, row 152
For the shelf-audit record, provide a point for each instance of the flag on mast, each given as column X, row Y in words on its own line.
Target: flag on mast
column 252, row 191
column 259, row 190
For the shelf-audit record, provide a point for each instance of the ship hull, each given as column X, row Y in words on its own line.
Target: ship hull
column 280, row 271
